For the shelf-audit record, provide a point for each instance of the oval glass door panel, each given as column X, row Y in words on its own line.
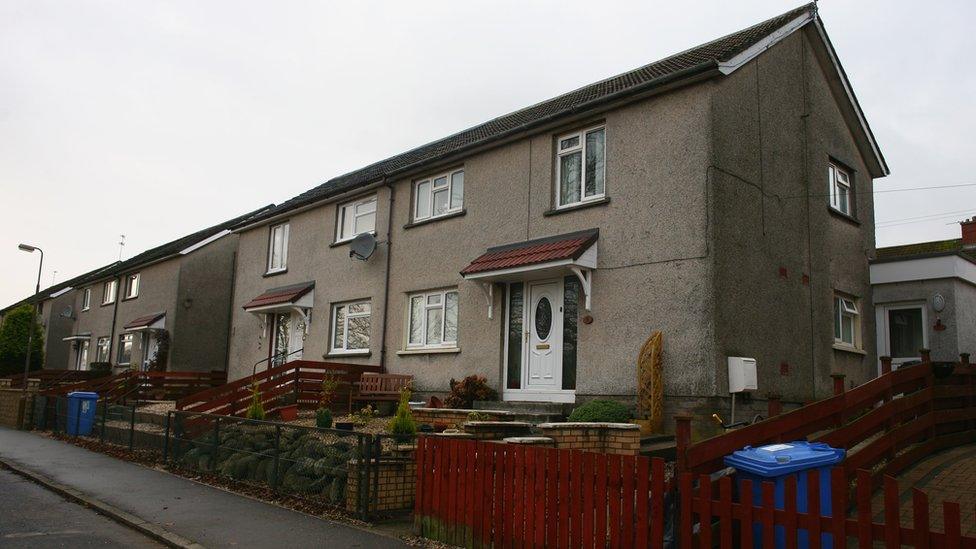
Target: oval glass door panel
column 543, row 318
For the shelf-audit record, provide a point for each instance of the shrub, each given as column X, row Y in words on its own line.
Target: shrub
column 13, row 341
column 256, row 409
column 329, row 385
column 323, row 418
column 478, row 416
column 465, row 392
column 363, row 416
column 602, row 411
column 403, row 423
column 101, row 368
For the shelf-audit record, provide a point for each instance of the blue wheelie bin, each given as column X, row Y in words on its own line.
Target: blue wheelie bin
column 81, row 413
column 774, row 463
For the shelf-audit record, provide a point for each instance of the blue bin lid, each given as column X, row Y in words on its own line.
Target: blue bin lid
column 82, row 394
column 775, row 460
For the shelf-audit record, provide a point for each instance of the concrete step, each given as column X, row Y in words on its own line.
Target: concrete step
column 662, row 446
column 547, row 408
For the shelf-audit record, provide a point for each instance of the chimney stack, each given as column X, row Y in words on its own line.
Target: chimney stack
column 969, row 231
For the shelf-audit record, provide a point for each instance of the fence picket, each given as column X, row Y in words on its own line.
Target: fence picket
column 498, row 491
column 576, row 500
column 541, row 496
column 614, row 499
column 627, row 514
column 863, row 508
column 768, row 515
column 892, row 513
column 789, row 505
column 725, row 512
column 705, row 511
column 587, row 535
column 643, row 498
column 552, row 513
column 687, row 532
column 746, row 520
column 530, row 495
column 564, row 504
column 838, row 506
column 600, row 503
column 509, row 499
column 952, row 524
column 920, row 519
column 813, row 508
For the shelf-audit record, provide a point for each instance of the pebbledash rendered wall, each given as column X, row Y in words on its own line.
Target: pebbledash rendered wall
column 717, row 232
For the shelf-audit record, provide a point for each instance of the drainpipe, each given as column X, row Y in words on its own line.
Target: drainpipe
column 386, row 283
column 115, row 315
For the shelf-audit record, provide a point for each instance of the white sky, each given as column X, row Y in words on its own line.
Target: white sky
column 156, row 119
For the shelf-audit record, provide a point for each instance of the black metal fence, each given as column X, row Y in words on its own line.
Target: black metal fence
column 118, row 424
column 331, row 467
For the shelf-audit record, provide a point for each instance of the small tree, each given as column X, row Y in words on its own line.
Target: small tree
column 13, row 341
column 256, row 409
column 403, row 423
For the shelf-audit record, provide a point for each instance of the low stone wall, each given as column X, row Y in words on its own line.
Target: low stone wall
column 607, row 438
column 454, row 416
column 496, row 430
column 12, row 405
column 396, row 489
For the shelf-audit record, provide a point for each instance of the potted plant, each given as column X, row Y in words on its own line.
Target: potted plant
column 287, row 407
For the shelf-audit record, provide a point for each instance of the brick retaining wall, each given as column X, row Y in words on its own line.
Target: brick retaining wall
column 12, row 404
column 397, row 485
column 608, row 438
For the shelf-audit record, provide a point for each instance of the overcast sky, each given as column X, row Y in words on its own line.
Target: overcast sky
column 155, row 119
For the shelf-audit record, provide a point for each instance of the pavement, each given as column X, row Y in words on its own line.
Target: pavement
column 949, row 475
column 34, row 517
column 173, row 510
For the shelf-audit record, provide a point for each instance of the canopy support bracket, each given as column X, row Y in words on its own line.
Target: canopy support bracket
column 488, row 289
column 585, row 277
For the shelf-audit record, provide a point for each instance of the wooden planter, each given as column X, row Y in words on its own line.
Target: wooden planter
column 288, row 413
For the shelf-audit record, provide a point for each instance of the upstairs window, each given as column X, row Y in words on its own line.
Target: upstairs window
column 580, row 166
column 847, row 322
column 840, row 189
column 355, row 218
column 350, row 327
column 433, row 320
column 439, row 195
column 132, row 286
column 86, row 299
column 109, row 290
column 278, row 248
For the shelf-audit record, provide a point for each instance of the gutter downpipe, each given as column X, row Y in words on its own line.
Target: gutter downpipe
column 386, row 282
column 115, row 316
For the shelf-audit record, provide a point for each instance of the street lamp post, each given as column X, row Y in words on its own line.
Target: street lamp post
column 30, row 328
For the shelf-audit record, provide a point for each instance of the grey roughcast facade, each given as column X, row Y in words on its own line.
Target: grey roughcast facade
column 721, row 196
column 925, row 297
column 167, row 308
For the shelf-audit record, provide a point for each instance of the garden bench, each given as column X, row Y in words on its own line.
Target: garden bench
column 378, row 387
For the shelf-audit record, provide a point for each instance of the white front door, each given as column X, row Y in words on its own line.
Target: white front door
column 544, row 341
column 150, row 348
column 287, row 338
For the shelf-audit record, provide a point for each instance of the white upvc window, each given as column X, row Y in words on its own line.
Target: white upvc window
column 440, row 195
column 109, row 290
column 125, row 349
column 840, row 189
column 581, row 166
column 132, row 286
column 278, row 248
column 432, row 320
column 101, row 349
column 351, row 327
column 847, row 322
column 86, row 299
column 355, row 218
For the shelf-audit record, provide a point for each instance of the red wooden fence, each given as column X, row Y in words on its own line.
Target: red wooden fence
column 742, row 522
column 132, row 385
column 50, row 377
column 481, row 494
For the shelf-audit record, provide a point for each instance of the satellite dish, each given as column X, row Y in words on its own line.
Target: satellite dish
column 362, row 246
column 68, row 312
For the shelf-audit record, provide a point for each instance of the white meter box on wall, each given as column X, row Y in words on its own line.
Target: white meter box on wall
column 742, row 374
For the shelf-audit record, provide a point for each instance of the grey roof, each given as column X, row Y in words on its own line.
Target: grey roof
column 704, row 57
column 148, row 256
column 920, row 250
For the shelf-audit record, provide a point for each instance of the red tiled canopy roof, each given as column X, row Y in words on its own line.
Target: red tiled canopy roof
column 531, row 252
column 143, row 321
column 280, row 296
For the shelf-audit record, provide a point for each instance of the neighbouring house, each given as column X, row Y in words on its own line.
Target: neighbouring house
column 722, row 195
column 925, row 297
column 167, row 308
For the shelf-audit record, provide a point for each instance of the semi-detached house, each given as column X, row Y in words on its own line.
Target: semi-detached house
column 722, row 195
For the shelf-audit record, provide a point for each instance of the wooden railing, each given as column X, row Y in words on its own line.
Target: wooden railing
column 138, row 386
column 50, row 377
column 299, row 381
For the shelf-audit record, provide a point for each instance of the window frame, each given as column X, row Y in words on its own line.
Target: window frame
column 846, row 306
column 833, row 185
column 85, row 299
column 581, row 148
column 449, row 176
column 114, row 284
column 107, row 340
column 340, row 236
column 129, row 285
column 118, row 354
column 345, row 350
column 269, row 265
column 426, row 295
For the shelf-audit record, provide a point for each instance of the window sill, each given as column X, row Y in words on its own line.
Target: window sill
column 846, row 217
column 451, row 215
column 350, row 354
column 346, row 242
column 274, row 273
column 848, row 349
column 580, row 206
column 107, row 304
column 85, row 310
column 130, row 298
column 430, row 351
